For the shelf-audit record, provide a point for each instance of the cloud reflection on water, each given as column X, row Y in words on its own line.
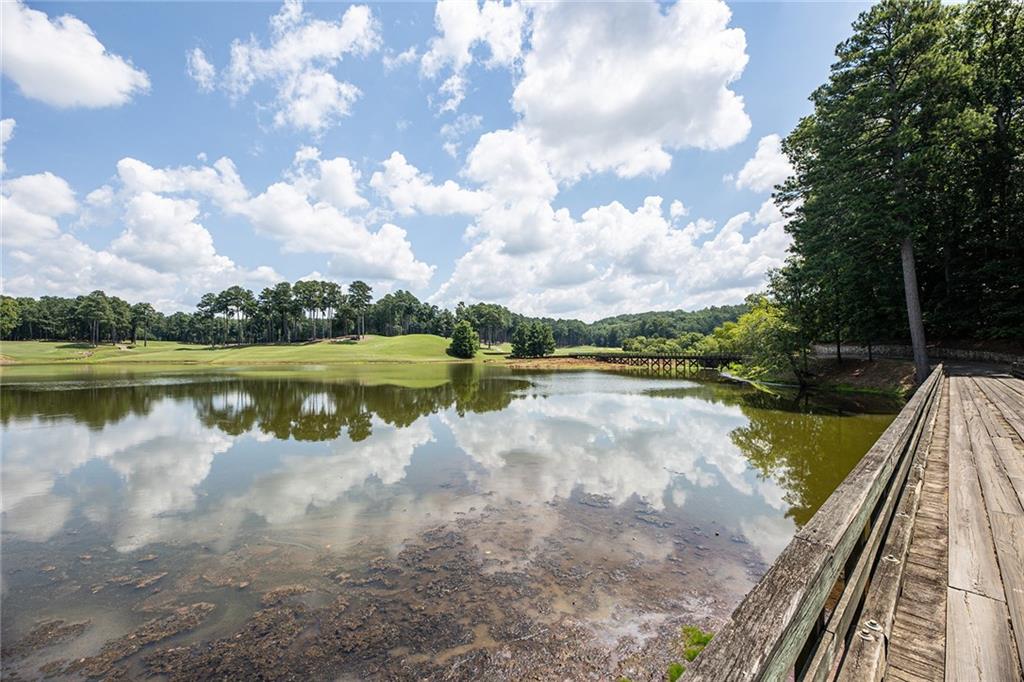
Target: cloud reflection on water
column 336, row 462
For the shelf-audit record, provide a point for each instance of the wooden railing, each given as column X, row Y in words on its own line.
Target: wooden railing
column 664, row 360
column 802, row 616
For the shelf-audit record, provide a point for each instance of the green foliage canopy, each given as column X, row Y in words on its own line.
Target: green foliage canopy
column 532, row 340
column 465, row 341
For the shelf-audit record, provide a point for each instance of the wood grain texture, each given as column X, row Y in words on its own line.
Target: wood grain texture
column 866, row 655
column 1011, row 455
column 1008, row 530
column 1013, row 384
column 978, row 647
column 917, row 643
column 1007, row 402
column 972, row 554
column 996, row 486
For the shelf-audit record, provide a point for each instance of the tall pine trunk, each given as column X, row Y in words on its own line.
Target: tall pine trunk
column 914, row 310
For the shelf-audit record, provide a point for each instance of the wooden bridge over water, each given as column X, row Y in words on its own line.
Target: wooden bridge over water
column 914, row 568
column 664, row 363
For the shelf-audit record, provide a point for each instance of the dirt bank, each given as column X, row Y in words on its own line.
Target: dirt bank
column 878, row 376
column 561, row 363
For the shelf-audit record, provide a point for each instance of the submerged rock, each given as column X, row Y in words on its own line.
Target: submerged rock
column 47, row 633
column 279, row 594
column 181, row 619
column 594, row 500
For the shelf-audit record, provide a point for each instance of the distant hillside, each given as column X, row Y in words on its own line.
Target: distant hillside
column 610, row 331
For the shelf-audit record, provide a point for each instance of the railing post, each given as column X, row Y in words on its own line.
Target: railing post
column 780, row 626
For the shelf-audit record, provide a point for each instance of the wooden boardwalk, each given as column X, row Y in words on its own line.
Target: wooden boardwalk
column 931, row 587
column 960, row 615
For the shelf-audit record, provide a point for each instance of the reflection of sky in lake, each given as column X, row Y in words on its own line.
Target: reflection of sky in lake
column 172, row 472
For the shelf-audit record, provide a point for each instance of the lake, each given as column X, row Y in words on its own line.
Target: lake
column 450, row 522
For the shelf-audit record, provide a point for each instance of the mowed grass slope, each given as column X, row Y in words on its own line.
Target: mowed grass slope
column 410, row 348
column 371, row 349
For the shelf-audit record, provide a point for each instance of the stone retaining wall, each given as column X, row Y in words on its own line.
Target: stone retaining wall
column 824, row 350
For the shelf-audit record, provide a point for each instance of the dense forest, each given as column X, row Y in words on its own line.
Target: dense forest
column 906, row 201
column 310, row 310
column 906, row 204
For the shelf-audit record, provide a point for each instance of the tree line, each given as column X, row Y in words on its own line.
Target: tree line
column 312, row 309
column 906, row 203
column 907, row 196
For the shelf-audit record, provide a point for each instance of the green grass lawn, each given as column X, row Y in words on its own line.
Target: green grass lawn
column 371, row 349
column 503, row 349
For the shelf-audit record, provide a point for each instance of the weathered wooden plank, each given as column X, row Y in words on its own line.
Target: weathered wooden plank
column 978, row 645
column 769, row 629
column 1009, row 389
column 1012, row 459
column 986, row 411
column 1010, row 407
column 765, row 633
column 1012, row 384
column 999, row 493
column 895, row 674
column 922, row 659
column 920, row 611
column 918, row 640
column 866, row 656
column 1008, row 530
column 931, row 666
column 972, row 554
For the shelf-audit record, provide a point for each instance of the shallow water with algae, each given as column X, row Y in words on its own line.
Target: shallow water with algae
column 456, row 522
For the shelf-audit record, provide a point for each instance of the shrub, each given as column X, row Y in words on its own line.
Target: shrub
column 465, row 341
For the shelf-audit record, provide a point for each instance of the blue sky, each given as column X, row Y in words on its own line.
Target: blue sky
column 530, row 155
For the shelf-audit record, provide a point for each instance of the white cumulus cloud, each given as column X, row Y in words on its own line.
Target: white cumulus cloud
column 201, row 70
column 618, row 86
column 6, row 133
column 62, row 63
column 462, row 26
column 411, row 191
column 768, row 167
column 315, row 208
column 613, row 260
column 298, row 63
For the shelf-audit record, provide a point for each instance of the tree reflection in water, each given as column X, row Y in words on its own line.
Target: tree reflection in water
column 804, row 444
column 301, row 409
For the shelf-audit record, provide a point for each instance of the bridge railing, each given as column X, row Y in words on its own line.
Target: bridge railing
column 792, row 622
column 721, row 357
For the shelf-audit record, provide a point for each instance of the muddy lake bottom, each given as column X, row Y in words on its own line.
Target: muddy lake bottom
column 496, row 525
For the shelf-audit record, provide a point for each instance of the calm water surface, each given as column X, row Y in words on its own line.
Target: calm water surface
column 470, row 524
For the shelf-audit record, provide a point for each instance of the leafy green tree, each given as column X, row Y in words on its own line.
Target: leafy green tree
column 10, row 315
column 521, row 341
column 444, row 324
column 907, row 192
column 143, row 316
column 532, row 340
column 465, row 341
column 491, row 319
column 332, row 300
column 95, row 311
column 359, row 297
column 283, row 309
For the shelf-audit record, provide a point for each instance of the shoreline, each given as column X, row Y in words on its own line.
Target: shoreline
column 880, row 377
